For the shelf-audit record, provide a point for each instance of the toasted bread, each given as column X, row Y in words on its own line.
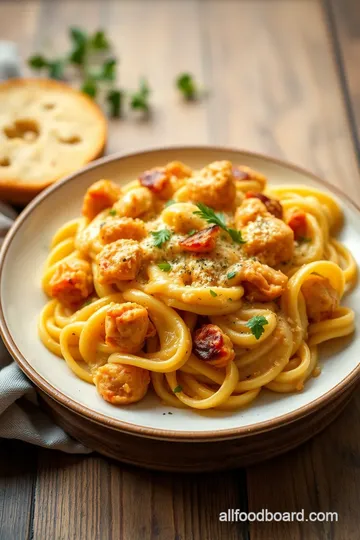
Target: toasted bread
column 47, row 130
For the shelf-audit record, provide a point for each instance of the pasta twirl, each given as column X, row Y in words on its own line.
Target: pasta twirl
column 208, row 285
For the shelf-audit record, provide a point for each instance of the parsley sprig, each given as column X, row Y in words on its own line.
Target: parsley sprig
column 140, row 99
column 161, row 236
column 256, row 325
column 165, row 266
column 217, row 218
column 185, row 83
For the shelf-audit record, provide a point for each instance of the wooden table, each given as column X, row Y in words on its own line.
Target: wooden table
column 283, row 78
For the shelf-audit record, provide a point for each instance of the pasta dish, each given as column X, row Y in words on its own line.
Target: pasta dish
column 208, row 284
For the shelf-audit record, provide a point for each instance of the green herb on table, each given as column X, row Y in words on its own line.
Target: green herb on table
column 99, row 41
column 90, row 88
column 165, row 266
column 161, row 236
column 139, row 100
column 186, row 85
column 256, row 325
column 114, row 99
column 217, row 218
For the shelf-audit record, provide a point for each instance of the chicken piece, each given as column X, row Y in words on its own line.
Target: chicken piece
column 135, row 203
column 297, row 222
column 269, row 239
column 119, row 261
column 249, row 210
column 213, row 186
column 72, row 282
column 273, row 206
column 203, row 241
column 320, row 297
column 242, row 173
column 261, row 283
column 103, row 194
column 178, row 169
column 212, row 345
column 124, row 227
column 163, row 181
column 182, row 218
column 127, row 326
column 121, row 384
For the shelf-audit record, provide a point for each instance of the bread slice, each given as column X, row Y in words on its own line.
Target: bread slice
column 47, row 130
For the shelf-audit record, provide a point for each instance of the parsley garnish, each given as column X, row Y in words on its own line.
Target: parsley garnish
column 87, row 303
column 140, row 99
column 209, row 215
column 304, row 240
column 177, row 389
column 192, row 232
column 213, row 293
column 256, row 325
column 231, row 275
column 160, row 237
column 165, row 266
column 187, row 86
column 112, row 212
column 169, row 203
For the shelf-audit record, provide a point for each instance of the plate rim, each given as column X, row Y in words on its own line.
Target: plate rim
column 131, row 428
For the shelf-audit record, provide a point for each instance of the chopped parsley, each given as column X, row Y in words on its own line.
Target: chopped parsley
column 161, row 236
column 256, row 325
column 112, row 212
column 169, row 203
column 192, row 232
column 231, row 275
column 213, row 293
column 165, row 266
column 186, row 84
column 216, row 218
column 177, row 389
column 304, row 240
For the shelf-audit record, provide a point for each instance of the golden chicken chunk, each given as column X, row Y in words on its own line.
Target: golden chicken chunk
column 119, row 261
column 72, row 282
column 212, row 345
column 320, row 297
column 121, row 384
column 135, row 203
column 103, row 194
column 213, row 186
column 127, row 326
column 269, row 239
column 124, row 227
column 249, row 210
column 163, row 181
column 243, row 173
column 261, row 283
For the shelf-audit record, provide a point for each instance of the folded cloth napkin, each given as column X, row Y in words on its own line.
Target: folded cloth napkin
column 20, row 414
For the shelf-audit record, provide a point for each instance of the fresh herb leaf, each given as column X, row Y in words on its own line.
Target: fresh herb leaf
column 236, row 236
column 177, row 389
column 108, row 70
column 169, row 203
column 139, row 99
column 87, row 303
column 37, row 61
column 80, row 41
column 56, row 69
column 231, row 275
column 256, row 325
column 99, row 41
column 215, row 218
column 165, row 266
column 160, row 237
column 112, row 212
column 187, row 86
column 213, row 293
column 304, row 240
column 90, row 88
column 114, row 99
column 192, row 232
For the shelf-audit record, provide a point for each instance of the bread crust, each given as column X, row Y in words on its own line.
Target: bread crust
column 16, row 189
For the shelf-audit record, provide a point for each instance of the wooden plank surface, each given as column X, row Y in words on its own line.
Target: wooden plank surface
column 274, row 88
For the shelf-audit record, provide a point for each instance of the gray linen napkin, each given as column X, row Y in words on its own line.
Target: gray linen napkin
column 20, row 415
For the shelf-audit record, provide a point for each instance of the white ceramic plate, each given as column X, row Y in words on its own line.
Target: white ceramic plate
column 22, row 299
